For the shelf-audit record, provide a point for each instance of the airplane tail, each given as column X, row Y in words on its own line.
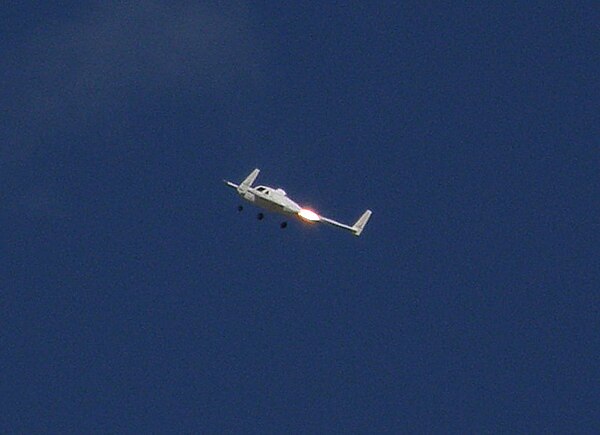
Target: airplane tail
column 359, row 226
column 244, row 185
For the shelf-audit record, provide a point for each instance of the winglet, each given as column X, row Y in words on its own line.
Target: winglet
column 359, row 226
column 244, row 185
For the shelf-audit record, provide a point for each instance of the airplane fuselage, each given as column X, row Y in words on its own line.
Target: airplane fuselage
column 269, row 198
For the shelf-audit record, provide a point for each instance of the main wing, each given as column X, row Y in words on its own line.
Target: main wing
column 356, row 229
column 244, row 185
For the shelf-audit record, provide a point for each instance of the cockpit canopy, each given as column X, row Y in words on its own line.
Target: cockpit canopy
column 266, row 190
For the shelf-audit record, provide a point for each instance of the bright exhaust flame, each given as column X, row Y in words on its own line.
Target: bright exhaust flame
column 309, row 215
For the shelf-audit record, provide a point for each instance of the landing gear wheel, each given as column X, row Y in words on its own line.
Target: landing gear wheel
column 240, row 207
column 283, row 225
column 260, row 216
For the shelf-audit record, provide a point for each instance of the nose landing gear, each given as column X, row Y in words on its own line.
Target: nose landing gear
column 260, row 216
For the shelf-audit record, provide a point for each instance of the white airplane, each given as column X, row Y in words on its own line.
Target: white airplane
column 276, row 200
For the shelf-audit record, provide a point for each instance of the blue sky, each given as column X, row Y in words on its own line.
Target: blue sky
column 136, row 298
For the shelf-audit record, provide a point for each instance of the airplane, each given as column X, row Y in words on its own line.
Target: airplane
column 276, row 200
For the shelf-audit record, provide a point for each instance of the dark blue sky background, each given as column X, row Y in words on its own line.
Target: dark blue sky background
column 134, row 297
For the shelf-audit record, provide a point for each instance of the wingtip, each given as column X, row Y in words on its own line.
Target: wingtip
column 360, row 224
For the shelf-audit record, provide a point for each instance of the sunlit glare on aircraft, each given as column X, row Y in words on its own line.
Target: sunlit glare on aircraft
column 309, row 215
